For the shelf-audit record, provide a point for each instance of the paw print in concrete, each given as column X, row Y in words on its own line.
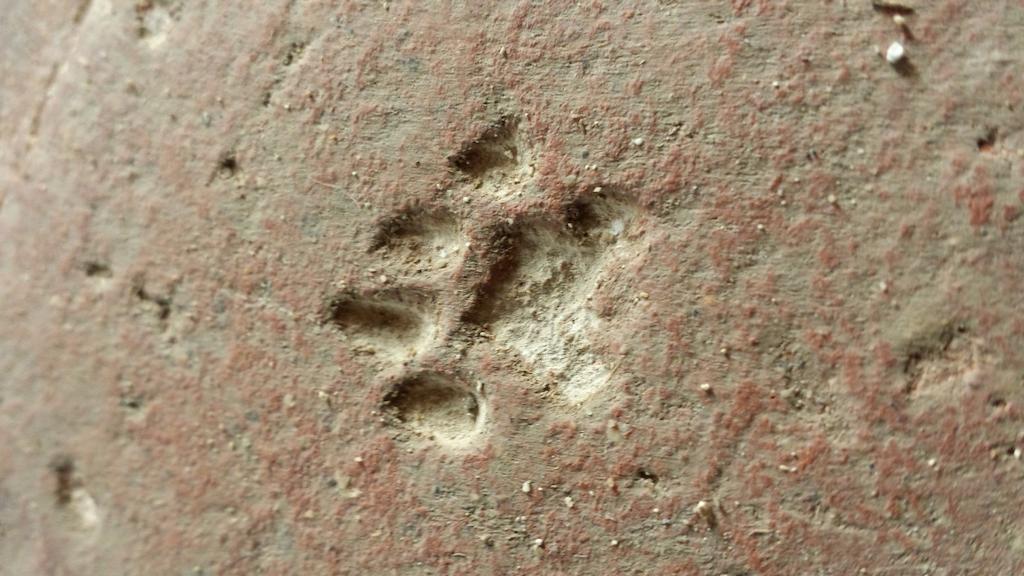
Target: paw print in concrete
column 503, row 270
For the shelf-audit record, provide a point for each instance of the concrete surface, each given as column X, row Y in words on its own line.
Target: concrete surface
column 676, row 287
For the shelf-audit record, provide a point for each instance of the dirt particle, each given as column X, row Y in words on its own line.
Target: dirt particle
column 706, row 512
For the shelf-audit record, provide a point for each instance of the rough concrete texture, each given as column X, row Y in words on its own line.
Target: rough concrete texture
column 677, row 287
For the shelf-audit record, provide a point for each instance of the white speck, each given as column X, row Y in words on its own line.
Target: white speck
column 85, row 507
column 705, row 388
column 614, row 543
column 932, row 462
column 895, row 53
column 899, row 19
column 832, row 199
column 358, row 459
column 527, row 486
column 538, row 543
column 568, row 502
column 638, row 142
column 465, row 199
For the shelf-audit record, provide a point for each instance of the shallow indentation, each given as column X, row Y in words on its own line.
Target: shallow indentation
column 535, row 297
column 154, row 20
column 499, row 162
column 420, row 239
column 391, row 322
column 495, row 148
column 437, row 406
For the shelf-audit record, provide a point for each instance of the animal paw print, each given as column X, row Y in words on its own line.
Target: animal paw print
column 507, row 267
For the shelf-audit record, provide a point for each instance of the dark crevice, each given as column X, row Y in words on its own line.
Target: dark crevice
column 63, row 468
column 97, row 269
column 163, row 303
column 987, row 141
column 494, row 148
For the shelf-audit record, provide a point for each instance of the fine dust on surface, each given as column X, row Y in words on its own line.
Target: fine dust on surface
column 511, row 288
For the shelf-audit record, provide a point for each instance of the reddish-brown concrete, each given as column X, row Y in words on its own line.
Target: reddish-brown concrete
column 305, row 287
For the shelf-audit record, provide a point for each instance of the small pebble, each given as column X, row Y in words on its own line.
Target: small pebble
column 527, row 486
column 895, row 54
column 638, row 142
column 705, row 388
column 705, row 511
column 568, row 502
